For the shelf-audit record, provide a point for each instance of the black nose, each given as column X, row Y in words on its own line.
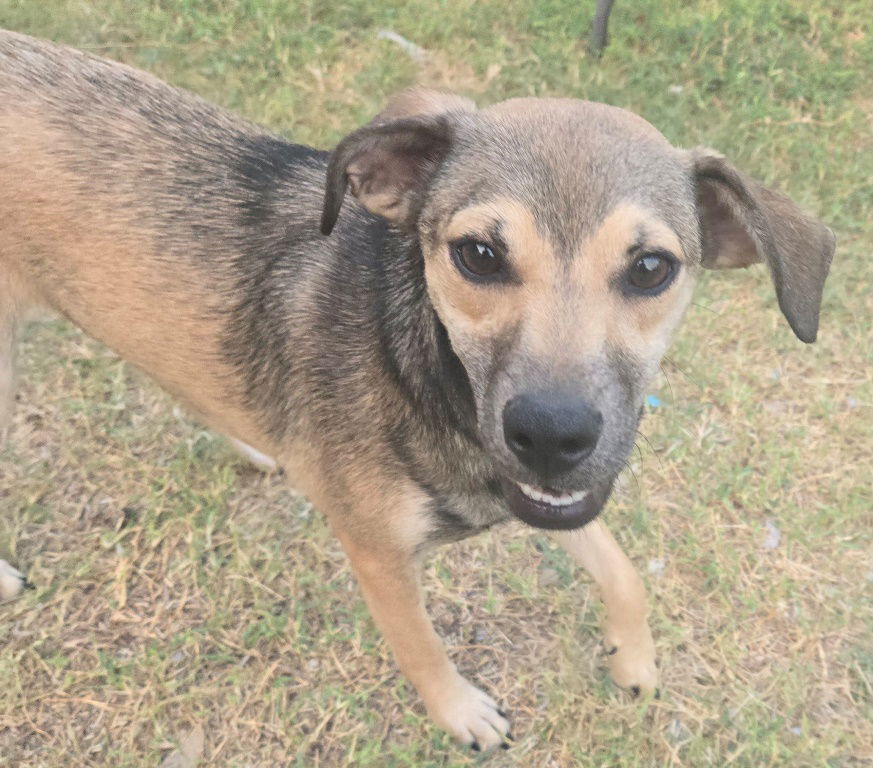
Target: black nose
column 550, row 432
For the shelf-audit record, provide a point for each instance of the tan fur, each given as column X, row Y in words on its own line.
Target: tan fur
column 549, row 291
column 18, row 299
column 422, row 101
column 486, row 312
column 93, row 239
column 387, row 568
column 529, row 107
column 626, row 631
column 643, row 327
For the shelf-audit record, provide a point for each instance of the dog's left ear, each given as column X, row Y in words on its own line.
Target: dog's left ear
column 742, row 223
column 389, row 163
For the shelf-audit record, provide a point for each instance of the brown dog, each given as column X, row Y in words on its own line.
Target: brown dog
column 467, row 340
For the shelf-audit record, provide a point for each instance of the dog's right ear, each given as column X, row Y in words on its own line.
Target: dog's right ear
column 388, row 163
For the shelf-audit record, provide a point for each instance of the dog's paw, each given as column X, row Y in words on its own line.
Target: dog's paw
column 471, row 716
column 631, row 658
column 12, row 581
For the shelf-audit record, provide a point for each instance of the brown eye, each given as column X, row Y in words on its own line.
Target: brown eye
column 476, row 259
column 651, row 273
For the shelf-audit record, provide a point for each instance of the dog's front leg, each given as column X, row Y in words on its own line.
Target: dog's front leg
column 626, row 630
column 389, row 579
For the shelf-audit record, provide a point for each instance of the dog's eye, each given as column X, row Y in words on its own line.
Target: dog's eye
column 476, row 259
column 651, row 273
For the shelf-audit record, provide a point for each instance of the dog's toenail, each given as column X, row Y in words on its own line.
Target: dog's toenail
column 502, row 714
column 475, row 746
column 28, row 584
column 635, row 690
column 504, row 745
column 510, row 736
column 613, row 651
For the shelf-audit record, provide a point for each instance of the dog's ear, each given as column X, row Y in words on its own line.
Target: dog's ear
column 388, row 163
column 742, row 223
column 418, row 102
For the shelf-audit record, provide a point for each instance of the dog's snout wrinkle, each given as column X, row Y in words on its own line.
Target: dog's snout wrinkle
column 551, row 432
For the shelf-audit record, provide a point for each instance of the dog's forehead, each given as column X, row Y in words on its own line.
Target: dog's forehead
column 572, row 116
column 572, row 162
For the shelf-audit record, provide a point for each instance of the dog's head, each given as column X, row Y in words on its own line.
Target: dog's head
column 562, row 240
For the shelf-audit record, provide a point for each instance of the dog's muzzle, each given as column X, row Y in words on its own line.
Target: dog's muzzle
column 555, row 510
column 550, row 432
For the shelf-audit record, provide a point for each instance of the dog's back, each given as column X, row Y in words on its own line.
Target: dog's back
column 139, row 211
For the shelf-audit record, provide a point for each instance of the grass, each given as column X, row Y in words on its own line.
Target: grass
column 177, row 587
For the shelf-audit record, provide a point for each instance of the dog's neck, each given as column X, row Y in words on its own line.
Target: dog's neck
column 369, row 322
column 416, row 347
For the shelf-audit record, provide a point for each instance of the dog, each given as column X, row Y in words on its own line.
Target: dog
column 446, row 323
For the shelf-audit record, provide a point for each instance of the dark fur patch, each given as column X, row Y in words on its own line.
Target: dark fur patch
column 323, row 325
column 628, row 370
column 448, row 525
column 272, row 241
column 264, row 167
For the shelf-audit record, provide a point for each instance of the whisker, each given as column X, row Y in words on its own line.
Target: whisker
column 708, row 309
column 683, row 372
column 669, row 383
column 633, row 474
column 651, row 448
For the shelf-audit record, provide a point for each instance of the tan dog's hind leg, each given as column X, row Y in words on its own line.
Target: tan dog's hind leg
column 626, row 630
column 11, row 580
column 389, row 579
column 17, row 304
column 7, row 363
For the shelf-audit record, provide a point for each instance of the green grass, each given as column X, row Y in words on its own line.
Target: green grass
column 176, row 586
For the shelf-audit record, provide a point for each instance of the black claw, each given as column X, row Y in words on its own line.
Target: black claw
column 28, row 584
column 475, row 746
column 635, row 690
column 510, row 736
column 504, row 745
column 502, row 714
column 657, row 693
column 613, row 651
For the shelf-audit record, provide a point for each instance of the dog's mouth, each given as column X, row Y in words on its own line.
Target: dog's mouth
column 554, row 510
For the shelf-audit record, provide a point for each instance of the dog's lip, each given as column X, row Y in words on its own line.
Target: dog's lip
column 553, row 510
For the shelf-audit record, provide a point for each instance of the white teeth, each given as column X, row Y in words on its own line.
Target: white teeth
column 532, row 492
column 555, row 501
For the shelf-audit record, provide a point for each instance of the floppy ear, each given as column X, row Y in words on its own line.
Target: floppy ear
column 742, row 222
column 387, row 164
